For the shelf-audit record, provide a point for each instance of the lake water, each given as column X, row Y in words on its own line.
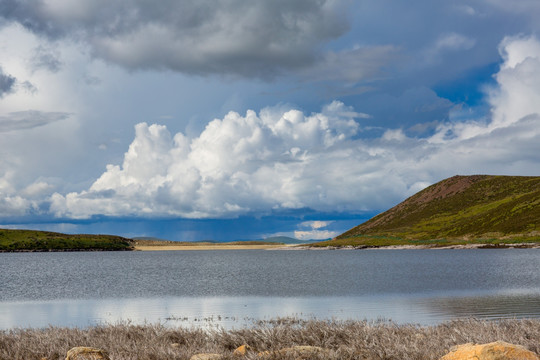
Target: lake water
column 234, row 288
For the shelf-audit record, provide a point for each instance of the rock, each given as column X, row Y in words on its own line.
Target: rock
column 498, row 350
column 86, row 353
column 205, row 356
column 242, row 350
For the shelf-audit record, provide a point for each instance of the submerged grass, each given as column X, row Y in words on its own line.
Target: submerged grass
column 343, row 339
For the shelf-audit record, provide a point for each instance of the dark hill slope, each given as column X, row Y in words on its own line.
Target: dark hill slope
column 465, row 208
column 32, row 240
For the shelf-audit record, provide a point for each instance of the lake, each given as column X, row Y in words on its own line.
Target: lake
column 234, row 288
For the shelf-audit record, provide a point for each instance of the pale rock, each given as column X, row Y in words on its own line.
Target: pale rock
column 498, row 350
column 86, row 353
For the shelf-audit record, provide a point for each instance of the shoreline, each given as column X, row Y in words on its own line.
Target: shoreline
column 297, row 247
column 288, row 247
column 432, row 247
column 184, row 247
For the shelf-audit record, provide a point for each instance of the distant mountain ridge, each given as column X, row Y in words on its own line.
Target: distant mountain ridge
column 462, row 207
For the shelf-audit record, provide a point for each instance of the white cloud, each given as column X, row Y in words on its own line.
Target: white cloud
column 237, row 165
column 446, row 43
column 315, row 234
column 317, row 224
column 284, row 159
column 37, row 188
column 281, row 159
column 518, row 93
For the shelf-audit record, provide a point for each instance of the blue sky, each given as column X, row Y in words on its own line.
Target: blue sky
column 194, row 120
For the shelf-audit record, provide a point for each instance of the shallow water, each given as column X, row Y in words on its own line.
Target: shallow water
column 235, row 288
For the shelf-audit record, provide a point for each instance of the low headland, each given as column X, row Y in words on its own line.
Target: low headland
column 41, row 241
column 284, row 338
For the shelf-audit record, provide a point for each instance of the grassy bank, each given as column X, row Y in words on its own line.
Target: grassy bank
column 31, row 240
column 344, row 340
column 382, row 241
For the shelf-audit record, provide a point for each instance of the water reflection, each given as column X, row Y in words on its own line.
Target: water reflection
column 232, row 312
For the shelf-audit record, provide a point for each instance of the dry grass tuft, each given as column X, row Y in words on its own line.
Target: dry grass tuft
column 343, row 339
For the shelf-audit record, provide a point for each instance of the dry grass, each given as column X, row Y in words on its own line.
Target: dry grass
column 344, row 339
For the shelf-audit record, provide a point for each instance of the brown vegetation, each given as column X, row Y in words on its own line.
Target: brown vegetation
column 340, row 339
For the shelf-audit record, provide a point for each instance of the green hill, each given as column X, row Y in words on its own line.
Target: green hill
column 31, row 240
column 459, row 210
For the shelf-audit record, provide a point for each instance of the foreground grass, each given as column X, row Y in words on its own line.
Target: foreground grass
column 344, row 339
column 32, row 240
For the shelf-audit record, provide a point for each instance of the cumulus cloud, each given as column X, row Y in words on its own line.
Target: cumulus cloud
column 238, row 164
column 30, row 119
column 317, row 224
column 282, row 159
column 315, row 233
column 11, row 204
column 7, row 83
column 227, row 37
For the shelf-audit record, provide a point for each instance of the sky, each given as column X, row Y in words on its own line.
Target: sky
column 226, row 119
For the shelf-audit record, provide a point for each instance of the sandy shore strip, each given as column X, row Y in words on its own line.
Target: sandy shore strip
column 207, row 247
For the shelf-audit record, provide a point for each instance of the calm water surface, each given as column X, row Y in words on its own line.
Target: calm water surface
column 230, row 288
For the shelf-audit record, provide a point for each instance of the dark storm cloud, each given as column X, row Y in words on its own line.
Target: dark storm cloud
column 22, row 120
column 46, row 59
column 6, row 83
column 259, row 38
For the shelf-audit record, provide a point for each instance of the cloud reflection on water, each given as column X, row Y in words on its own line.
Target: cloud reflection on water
column 231, row 312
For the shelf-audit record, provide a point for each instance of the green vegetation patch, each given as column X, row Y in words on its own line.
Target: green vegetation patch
column 31, row 240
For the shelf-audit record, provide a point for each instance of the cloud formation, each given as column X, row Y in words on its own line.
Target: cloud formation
column 316, row 231
column 226, row 37
column 282, row 159
column 30, row 119
column 7, row 83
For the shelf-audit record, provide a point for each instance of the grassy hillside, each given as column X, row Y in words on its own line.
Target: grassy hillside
column 458, row 210
column 30, row 240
